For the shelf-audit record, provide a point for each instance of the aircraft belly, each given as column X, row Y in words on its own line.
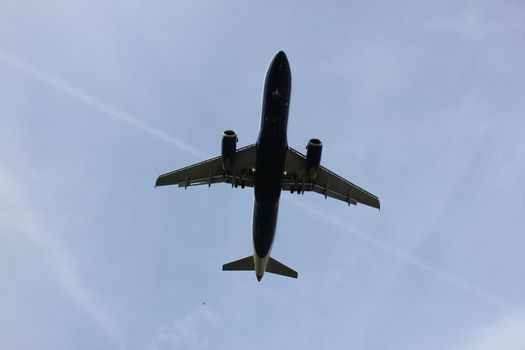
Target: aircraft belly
column 272, row 146
column 267, row 189
column 264, row 223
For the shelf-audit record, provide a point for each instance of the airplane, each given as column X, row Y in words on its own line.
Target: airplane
column 269, row 166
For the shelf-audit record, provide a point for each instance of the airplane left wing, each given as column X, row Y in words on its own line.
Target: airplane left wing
column 211, row 171
column 327, row 183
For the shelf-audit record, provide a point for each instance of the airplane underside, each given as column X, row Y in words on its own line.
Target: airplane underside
column 270, row 167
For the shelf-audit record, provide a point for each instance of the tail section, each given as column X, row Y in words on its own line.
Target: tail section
column 244, row 264
column 276, row 267
column 248, row 264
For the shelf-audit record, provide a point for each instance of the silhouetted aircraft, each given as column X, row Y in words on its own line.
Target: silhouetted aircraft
column 269, row 166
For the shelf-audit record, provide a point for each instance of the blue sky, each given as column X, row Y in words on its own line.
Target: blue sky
column 421, row 103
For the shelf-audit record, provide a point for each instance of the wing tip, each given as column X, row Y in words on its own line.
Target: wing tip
column 162, row 181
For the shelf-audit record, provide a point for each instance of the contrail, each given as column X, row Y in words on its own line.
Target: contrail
column 139, row 124
column 400, row 253
column 95, row 102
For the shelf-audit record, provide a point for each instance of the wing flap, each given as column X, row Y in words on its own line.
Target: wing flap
column 210, row 171
column 326, row 183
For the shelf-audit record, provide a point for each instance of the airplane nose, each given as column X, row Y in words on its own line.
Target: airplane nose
column 278, row 80
column 280, row 59
column 280, row 55
column 259, row 277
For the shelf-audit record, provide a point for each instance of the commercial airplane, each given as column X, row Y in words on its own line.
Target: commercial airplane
column 269, row 166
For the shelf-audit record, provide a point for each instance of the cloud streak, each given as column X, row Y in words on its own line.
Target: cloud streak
column 19, row 218
column 185, row 331
column 506, row 333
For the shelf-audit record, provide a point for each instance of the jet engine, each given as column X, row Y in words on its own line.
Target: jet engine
column 228, row 149
column 313, row 157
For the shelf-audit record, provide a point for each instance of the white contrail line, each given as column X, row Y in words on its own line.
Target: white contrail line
column 135, row 122
column 400, row 253
column 95, row 102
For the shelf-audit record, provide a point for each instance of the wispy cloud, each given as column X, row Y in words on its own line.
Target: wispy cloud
column 507, row 333
column 185, row 331
column 16, row 216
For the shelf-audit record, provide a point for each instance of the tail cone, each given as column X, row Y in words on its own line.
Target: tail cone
column 259, row 277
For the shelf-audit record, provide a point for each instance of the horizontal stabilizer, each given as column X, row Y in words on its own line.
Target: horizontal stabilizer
column 245, row 264
column 280, row 269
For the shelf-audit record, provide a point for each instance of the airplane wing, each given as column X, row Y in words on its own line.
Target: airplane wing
column 211, row 171
column 326, row 182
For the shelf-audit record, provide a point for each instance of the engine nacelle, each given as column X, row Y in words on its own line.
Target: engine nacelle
column 228, row 149
column 313, row 157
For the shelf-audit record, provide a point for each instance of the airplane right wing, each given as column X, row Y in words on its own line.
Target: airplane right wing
column 211, row 171
column 326, row 182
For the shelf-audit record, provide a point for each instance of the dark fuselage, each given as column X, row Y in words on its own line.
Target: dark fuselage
column 272, row 146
